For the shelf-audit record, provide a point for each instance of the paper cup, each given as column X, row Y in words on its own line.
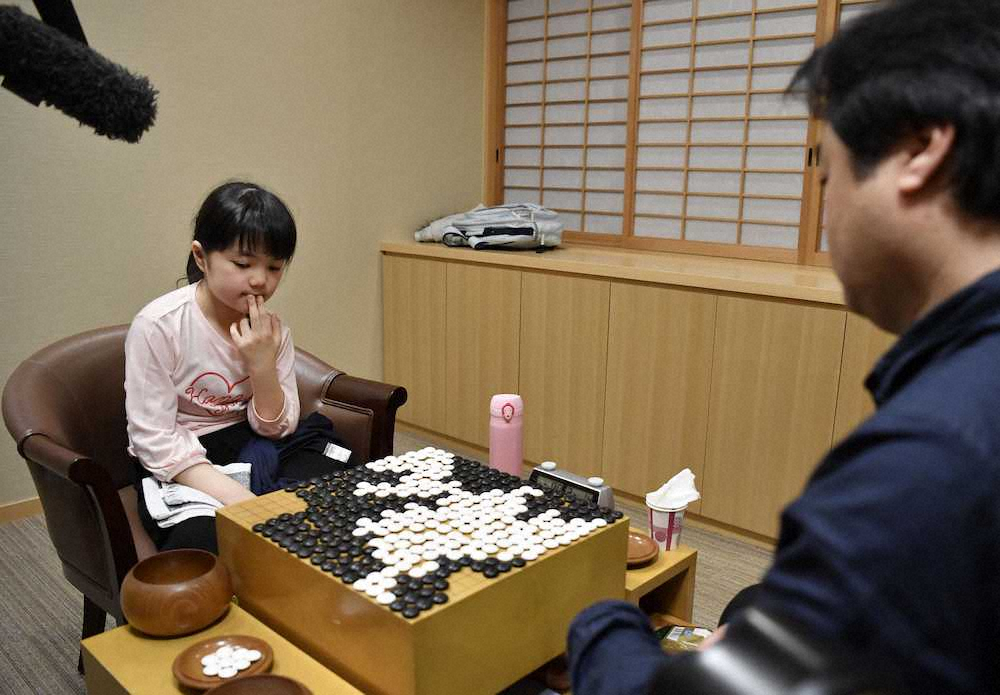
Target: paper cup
column 665, row 526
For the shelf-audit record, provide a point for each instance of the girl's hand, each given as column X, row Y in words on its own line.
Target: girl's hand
column 257, row 337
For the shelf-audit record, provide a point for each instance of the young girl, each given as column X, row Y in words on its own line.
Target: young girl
column 210, row 370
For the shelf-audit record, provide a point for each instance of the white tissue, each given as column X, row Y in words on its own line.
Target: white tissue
column 676, row 493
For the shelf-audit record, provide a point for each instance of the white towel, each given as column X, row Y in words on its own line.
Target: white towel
column 171, row 503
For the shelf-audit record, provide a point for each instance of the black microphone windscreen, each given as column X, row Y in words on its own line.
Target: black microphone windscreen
column 42, row 63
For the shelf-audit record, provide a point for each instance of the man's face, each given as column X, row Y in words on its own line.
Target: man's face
column 858, row 219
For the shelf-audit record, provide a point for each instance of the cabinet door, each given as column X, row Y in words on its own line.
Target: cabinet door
column 771, row 408
column 659, row 372
column 484, row 316
column 413, row 336
column 564, row 348
column 864, row 344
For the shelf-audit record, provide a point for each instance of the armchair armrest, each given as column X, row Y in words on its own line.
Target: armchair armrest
column 382, row 399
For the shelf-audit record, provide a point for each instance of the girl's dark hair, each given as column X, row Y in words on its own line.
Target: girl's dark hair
column 243, row 213
column 908, row 65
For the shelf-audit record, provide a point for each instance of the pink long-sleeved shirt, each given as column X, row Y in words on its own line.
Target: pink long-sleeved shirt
column 184, row 380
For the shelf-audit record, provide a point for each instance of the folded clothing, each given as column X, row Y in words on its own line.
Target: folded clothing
column 171, row 503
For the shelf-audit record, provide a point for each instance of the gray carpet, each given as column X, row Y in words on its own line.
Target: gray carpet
column 40, row 613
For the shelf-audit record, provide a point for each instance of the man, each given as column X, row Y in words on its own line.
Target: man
column 894, row 546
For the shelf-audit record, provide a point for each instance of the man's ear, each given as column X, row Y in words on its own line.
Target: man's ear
column 199, row 255
column 927, row 153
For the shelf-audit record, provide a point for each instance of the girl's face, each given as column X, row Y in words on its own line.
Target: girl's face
column 232, row 277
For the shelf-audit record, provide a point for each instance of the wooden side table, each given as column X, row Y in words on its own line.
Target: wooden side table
column 666, row 586
column 124, row 660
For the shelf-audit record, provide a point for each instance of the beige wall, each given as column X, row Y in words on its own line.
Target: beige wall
column 366, row 116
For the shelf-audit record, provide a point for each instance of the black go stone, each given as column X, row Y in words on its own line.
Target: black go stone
column 411, row 611
column 439, row 598
column 477, row 566
column 490, row 572
column 518, row 562
column 424, row 603
column 503, row 566
column 397, row 605
column 441, row 584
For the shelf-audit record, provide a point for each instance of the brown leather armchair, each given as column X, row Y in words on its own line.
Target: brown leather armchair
column 65, row 408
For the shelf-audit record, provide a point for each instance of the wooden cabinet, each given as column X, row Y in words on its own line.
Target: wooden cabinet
column 413, row 336
column 564, row 348
column 774, row 393
column 864, row 344
column 659, row 370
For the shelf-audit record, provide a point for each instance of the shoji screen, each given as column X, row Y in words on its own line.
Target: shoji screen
column 567, row 108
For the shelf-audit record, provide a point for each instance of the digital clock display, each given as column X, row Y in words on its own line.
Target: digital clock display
column 564, row 487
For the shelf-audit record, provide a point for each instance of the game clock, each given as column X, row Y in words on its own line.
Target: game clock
column 548, row 476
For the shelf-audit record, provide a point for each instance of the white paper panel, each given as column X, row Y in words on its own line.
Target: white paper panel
column 824, row 242
column 699, row 206
column 567, row 24
column 662, row 132
column 713, row 182
column 522, row 136
column 564, row 135
column 563, row 156
column 656, row 10
column 564, row 113
column 608, row 111
column 666, row 34
column 666, row 59
column 567, row 5
column 606, row 156
column 784, row 23
column 772, row 78
column 606, row 135
column 562, row 200
column 772, row 184
column 531, row 72
column 609, row 89
column 562, row 178
column 615, row 42
column 769, row 4
column 525, row 8
column 722, row 29
column 716, row 157
column 663, row 108
column 849, row 13
column 776, row 157
column 660, row 157
column 722, row 54
column 725, row 107
column 517, row 196
column 531, row 156
column 650, row 204
column 779, row 50
column 517, row 115
column 763, row 209
column 720, row 80
column 616, row 66
column 606, row 179
column 657, row 228
column 706, row 7
column 605, row 202
column 532, row 29
column 770, row 236
column 620, row 18
column 608, row 3
column 570, row 221
column 567, row 69
column 521, row 177
column 573, row 46
column 777, row 105
column 670, row 83
column 659, row 180
column 527, row 93
column 717, row 131
column 603, row 224
column 565, row 91
column 534, row 50
column 778, row 131
column 718, row 232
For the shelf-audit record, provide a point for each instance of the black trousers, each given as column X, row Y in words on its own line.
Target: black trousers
column 223, row 447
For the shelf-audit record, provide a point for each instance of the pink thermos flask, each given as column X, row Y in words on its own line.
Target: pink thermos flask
column 506, row 433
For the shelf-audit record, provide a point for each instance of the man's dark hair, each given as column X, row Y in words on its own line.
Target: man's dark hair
column 911, row 64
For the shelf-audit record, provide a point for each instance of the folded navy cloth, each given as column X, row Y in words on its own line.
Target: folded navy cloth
column 266, row 456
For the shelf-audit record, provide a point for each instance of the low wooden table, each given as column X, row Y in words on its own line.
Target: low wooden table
column 665, row 586
column 124, row 660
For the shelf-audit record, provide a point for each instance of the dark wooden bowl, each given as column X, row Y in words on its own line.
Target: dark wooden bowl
column 176, row 592
column 268, row 684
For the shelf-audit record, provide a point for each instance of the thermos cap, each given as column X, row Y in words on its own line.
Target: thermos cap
column 506, row 405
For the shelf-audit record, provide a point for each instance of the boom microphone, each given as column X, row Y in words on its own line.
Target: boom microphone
column 41, row 63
